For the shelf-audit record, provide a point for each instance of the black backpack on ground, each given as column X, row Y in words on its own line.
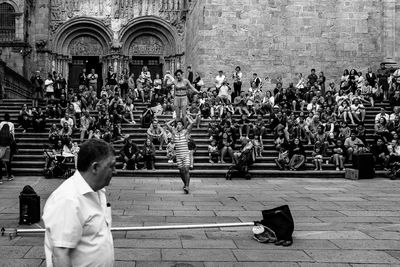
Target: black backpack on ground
column 29, row 206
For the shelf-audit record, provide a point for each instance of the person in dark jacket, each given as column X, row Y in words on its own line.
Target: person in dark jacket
column 129, row 154
column 149, row 152
column 380, row 152
column 297, row 155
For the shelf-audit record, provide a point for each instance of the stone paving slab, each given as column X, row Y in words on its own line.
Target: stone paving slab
column 352, row 256
column 21, row 262
column 338, row 223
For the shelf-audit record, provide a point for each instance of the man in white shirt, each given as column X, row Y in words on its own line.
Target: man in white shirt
column 225, row 92
column 396, row 112
column 313, row 106
column 67, row 119
column 77, row 216
column 220, row 79
column 382, row 114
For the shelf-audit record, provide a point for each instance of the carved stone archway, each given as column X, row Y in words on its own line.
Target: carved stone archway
column 156, row 36
column 66, row 37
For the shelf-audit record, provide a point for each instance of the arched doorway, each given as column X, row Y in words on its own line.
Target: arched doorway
column 150, row 41
column 146, row 50
column 86, row 52
column 81, row 43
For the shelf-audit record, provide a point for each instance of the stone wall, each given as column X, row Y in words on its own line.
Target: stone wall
column 194, row 33
column 14, row 52
column 280, row 38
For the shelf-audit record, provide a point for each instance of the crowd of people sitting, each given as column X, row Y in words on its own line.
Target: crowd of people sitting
column 328, row 119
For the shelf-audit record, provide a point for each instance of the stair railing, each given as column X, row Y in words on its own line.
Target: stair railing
column 13, row 84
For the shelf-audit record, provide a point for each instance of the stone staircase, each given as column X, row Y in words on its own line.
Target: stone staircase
column 30, row 159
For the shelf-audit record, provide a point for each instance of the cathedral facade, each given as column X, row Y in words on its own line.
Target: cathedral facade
column 274, row 38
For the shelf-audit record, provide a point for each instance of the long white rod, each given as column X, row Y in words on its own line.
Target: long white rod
column 153, row 228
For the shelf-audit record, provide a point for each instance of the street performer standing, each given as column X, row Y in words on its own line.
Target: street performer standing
column 180, row 136
column 181, row 94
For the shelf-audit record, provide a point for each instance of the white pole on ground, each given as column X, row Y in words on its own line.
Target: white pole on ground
column 149, row 228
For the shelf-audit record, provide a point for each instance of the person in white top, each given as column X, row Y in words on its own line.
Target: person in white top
column 92, row 77
column 301, row 83
column 67, row 119
column 146, row 75
column 382, row 114
column 49, row 85
column 77, row 217
column 220, row 79
column 225, row 93
column 169, row 80
column 396, row 112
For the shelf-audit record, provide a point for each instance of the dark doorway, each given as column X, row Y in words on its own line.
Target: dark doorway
column 152, row 63
column 88, row 63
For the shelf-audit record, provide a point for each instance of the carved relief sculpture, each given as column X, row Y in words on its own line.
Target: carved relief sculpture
column 170, row 10
column 146, row 45
column 85, row 46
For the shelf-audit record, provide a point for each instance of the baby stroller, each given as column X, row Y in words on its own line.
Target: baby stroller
column 394, row 171
column 56, row 166
column 241, row 169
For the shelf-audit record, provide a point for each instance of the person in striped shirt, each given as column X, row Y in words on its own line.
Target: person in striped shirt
column 180, row 135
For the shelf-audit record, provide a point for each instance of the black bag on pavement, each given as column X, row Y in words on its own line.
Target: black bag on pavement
column 364, row 163
column 280, row 222
column 29, row 206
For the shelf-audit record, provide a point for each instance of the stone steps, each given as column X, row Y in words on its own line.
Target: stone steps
column 30, row 159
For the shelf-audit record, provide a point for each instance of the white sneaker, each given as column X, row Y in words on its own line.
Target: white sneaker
column 170, row 161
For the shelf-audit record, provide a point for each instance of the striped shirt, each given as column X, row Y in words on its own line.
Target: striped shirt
column 181, row 143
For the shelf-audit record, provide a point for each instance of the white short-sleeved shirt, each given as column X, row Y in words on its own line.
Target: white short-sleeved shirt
column 78, row 218
column 219, row 80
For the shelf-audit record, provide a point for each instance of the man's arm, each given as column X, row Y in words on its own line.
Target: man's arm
column 61, row 257
column 169, row 127
column 190, row 126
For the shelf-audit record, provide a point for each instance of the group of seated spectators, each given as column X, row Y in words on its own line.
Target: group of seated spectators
column 302, row 116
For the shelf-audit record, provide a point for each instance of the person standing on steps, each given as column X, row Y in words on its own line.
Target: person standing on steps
column 181, row 94
column 37, row 84
column 6, row 142
column 180, row 135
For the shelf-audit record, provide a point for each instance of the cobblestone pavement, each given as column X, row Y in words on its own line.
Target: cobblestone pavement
column 337, row 222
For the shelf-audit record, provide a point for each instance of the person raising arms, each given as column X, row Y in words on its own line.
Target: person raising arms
column 182, row 86
column 180, row 136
